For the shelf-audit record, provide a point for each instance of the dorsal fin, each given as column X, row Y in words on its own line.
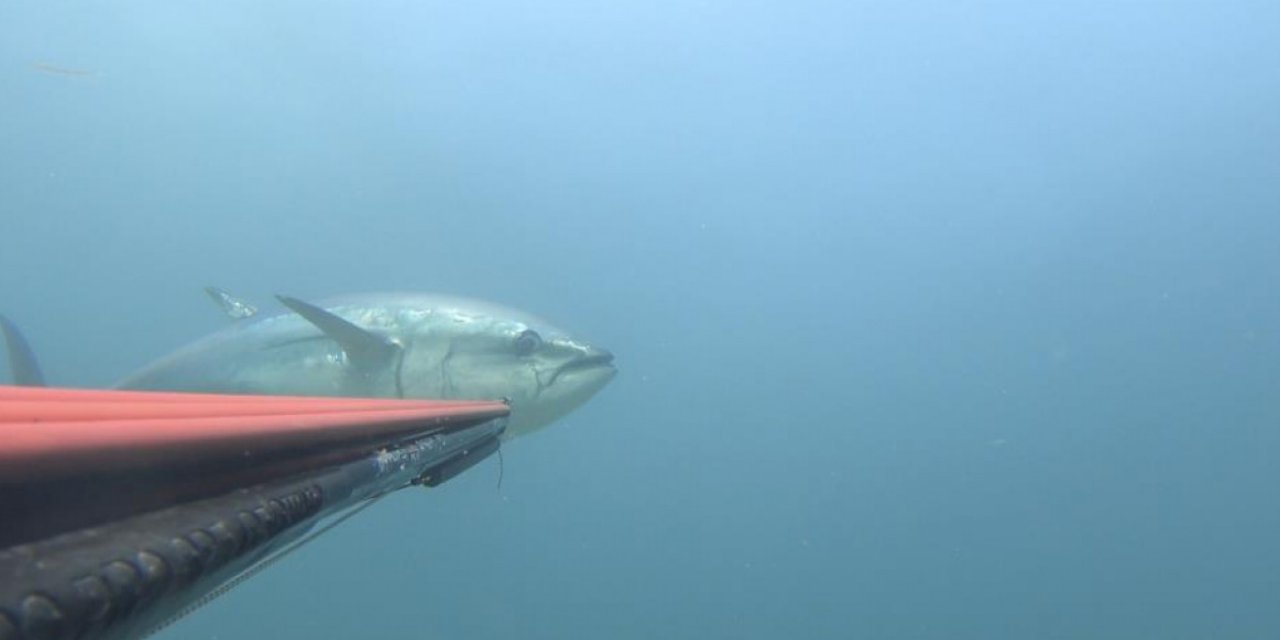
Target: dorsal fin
column 365, row 349
column 232, row 306
column 22, row 360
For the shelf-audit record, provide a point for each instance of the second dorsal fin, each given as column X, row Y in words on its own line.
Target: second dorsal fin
column 232, row 306
column 22, row 360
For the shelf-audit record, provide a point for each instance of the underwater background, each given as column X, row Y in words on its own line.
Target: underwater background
column 933, row 319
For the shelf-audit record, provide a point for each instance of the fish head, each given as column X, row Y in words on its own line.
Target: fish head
column 471, row 350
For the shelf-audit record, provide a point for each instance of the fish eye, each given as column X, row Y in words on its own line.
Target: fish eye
column 527, row 342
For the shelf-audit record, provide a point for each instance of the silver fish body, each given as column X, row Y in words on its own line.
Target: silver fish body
column 404, row 345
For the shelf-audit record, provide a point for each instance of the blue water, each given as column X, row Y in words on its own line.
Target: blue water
column 934, row 319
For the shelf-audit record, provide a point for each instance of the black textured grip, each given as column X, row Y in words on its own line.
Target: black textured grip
column 87, row 583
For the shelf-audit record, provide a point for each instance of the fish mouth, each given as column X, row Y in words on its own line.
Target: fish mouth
column 562, row 389
column 601, row 358
column 598, row 360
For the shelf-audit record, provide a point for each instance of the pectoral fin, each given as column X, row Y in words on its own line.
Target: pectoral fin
column 365, row 349
column 22, row 360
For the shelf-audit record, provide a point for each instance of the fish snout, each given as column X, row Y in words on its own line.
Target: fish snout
column 595, row 356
